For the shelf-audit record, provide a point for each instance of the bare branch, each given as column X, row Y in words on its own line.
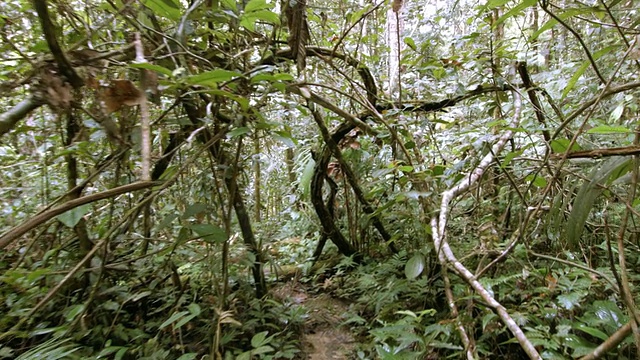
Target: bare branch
column 10, row 118
column 446, row 255
column 11, row 235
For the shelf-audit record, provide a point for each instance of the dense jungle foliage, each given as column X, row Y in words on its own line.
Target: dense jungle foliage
column 298, row 179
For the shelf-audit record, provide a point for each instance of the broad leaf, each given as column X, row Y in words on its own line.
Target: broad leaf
column 606, row 129
column 212, row 78
column 254, row 5
column 587, row 195
column 169, row 9
column 414, row 267
column 173, row 318
column 156, row 68
column 560, row 146
column 72, row 217
column 209, row 232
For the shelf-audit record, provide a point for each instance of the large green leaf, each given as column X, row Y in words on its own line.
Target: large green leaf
column 212, row 78
column 560, row 146
column 414, row 267
column 307, row 174
column 169, row 9
column 73, row 216
column 157, row 68
column 209, row 232
column 607, row 129
column 587, row 195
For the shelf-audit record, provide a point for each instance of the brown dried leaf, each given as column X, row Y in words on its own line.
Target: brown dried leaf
column 119, row 93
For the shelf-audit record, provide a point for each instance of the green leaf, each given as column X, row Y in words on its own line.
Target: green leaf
column 110, row 350
column 188, row 356
column 616, row 114
column 285, row 138
column 193, row 210
column 72, row 217
column 120, row 354
column 305, row 179
column 244, row 356
column 169, row 9
column 194, row 309
column 248, row 20
column 492, row 4
column 209, row 232
column 242, row 101
column 267, row 16
column 410, row 43
column 574, row 79
column 537, row 180
column 407, row 313
column 606, row 129
column 514, row 11
column 238, row 131
column 229, row 5
column 183, row 321
column 560, row 146
column 414, row 267
column 510, row 156
column 254, row 5
column 572, row 299
column 259, row 339
column 586, row 197
column 487, row 319
column 212, row 78
column 137, row 296
column 175, row 317
column 73, row 311
column 592, row 331
column 152, row 67
column 262, row 350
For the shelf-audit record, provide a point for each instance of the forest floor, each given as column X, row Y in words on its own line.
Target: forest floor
column 324, row 338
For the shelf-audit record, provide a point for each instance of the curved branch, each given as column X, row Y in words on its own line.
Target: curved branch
column 10, row 118
column 14, row 233
column 445, row 253
column 351, row 178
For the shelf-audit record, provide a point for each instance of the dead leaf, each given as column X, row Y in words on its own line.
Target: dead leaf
column 117, row 94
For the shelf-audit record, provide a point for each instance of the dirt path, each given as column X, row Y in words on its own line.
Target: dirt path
column 324, row 338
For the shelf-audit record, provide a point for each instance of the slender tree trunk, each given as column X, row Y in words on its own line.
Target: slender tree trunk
column 256, row 178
